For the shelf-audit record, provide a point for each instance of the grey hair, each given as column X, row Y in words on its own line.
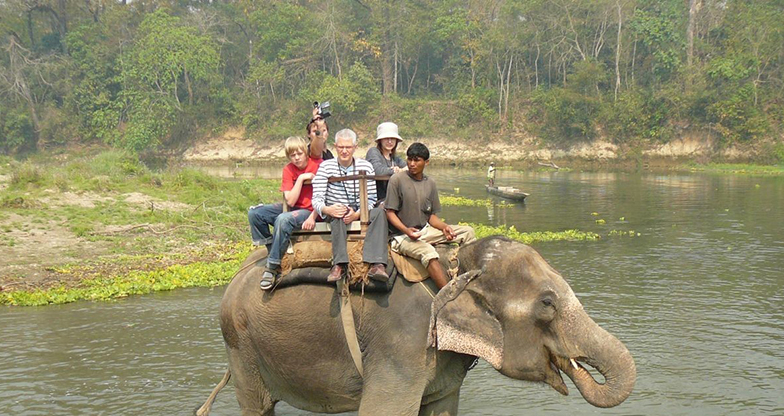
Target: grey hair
column 346, row 134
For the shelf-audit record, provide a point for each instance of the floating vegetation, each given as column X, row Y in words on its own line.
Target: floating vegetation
column 459, row 201
column 620, row 233
column 198, row 274
column 532, row 237
column 600, row 221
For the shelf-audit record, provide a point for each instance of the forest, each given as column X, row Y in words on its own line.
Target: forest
column 150, row 75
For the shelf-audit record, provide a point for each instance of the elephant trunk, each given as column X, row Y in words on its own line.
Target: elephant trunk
column 602, row 351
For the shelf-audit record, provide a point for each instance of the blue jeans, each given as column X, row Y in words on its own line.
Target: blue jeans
column 260, row 219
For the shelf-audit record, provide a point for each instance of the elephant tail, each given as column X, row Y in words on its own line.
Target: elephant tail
column 204, row 410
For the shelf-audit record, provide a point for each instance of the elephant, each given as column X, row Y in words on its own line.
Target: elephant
column 508, row 306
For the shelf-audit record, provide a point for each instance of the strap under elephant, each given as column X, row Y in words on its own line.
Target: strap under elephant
column 349, row 328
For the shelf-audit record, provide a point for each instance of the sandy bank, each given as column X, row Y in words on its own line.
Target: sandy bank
column 235, row 146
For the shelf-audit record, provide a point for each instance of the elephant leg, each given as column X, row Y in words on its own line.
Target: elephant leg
column 253, row 396
column 384, row 401
column 380, row 396
column 445, row 406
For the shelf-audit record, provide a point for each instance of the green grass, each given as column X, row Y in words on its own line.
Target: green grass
column 218, row 207
column 737, row 168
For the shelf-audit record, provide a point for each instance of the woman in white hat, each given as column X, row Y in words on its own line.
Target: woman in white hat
column 383, row 157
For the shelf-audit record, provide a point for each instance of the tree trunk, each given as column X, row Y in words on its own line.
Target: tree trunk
column 508, row 77
column 411, row 81
column 190, row 89
column 30, row 32
column 19, row 86
column 536, row 65
column 618, row 51
column 694, row 8
column 396, row 58
column 387, row 54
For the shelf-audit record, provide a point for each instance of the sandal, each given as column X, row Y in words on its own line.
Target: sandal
column 268, row 279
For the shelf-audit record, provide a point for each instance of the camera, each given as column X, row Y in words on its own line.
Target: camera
column 323, row 108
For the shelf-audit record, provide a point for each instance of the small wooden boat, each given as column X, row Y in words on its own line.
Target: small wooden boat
column 507, row 192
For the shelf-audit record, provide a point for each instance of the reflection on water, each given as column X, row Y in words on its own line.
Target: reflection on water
column 697, row 298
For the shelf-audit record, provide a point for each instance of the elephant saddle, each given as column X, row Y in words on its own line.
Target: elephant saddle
column 306, row 261
column 414, row 271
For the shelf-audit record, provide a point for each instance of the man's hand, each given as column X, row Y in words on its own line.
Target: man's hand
column 336, row 210
column 309, row 223
column 413, row 233
column 306, row 176
column 449, row 233
column 350, row 216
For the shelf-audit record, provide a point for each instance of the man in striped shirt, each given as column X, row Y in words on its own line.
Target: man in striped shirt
column 338, row 203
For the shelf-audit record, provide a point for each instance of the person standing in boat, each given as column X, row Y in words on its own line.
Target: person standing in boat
column 491, row 174
column 383, row 157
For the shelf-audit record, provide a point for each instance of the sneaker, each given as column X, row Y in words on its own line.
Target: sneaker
column 378, row 272
column 335, row 274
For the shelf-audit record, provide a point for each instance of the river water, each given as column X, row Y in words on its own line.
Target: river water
column 697, row 295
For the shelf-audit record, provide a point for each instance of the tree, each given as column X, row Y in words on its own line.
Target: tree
column 167, row 58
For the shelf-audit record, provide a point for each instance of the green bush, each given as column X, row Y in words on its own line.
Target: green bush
column 636, row 115
column 55, row 128
column 16, row 131
column 562, row 115
column 116, row 163
column 778, row 152
column 473, row 106
column 27, row 174
column 352, row 96
column 737, row 119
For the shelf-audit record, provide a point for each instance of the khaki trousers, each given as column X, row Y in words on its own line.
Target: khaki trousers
column 422, row 249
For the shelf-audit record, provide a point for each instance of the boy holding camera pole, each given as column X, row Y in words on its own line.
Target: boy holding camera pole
column 298, row 196
column 411, row 206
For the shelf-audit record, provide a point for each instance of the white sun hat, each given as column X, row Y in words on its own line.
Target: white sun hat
column 387, row 130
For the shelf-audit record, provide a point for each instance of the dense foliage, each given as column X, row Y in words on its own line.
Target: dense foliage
column 144, row 74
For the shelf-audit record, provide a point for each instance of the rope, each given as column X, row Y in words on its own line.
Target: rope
column 427, row 289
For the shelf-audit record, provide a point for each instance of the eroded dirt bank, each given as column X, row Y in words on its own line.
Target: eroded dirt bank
column 234, row 145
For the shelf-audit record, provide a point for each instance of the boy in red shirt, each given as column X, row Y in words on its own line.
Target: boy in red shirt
column 301, row 216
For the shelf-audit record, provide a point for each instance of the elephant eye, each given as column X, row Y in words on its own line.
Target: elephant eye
column 547, row 302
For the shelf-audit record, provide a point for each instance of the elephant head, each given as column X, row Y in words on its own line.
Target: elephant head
column 522, row 317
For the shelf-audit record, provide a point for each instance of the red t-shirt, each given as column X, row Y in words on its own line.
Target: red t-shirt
column 290, row 175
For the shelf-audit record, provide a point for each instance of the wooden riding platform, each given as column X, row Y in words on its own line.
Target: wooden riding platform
column 357, row 229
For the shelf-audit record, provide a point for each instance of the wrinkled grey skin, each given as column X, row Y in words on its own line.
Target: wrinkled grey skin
column 519, row 315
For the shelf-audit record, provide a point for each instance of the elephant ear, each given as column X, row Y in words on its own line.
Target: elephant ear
column 460, row 323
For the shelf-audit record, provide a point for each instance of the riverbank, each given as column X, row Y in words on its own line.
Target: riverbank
column 525, row 152
column 65, row 219
column 102, row 226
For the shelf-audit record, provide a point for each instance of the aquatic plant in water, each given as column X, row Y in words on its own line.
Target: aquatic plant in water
column 482, row 231
column 198, row 274
column 459, row 201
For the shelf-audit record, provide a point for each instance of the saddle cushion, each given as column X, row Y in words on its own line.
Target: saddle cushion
column 319, row 254
column 413, row 270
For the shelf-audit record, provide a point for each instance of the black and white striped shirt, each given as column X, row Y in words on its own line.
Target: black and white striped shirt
column 327, row 193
